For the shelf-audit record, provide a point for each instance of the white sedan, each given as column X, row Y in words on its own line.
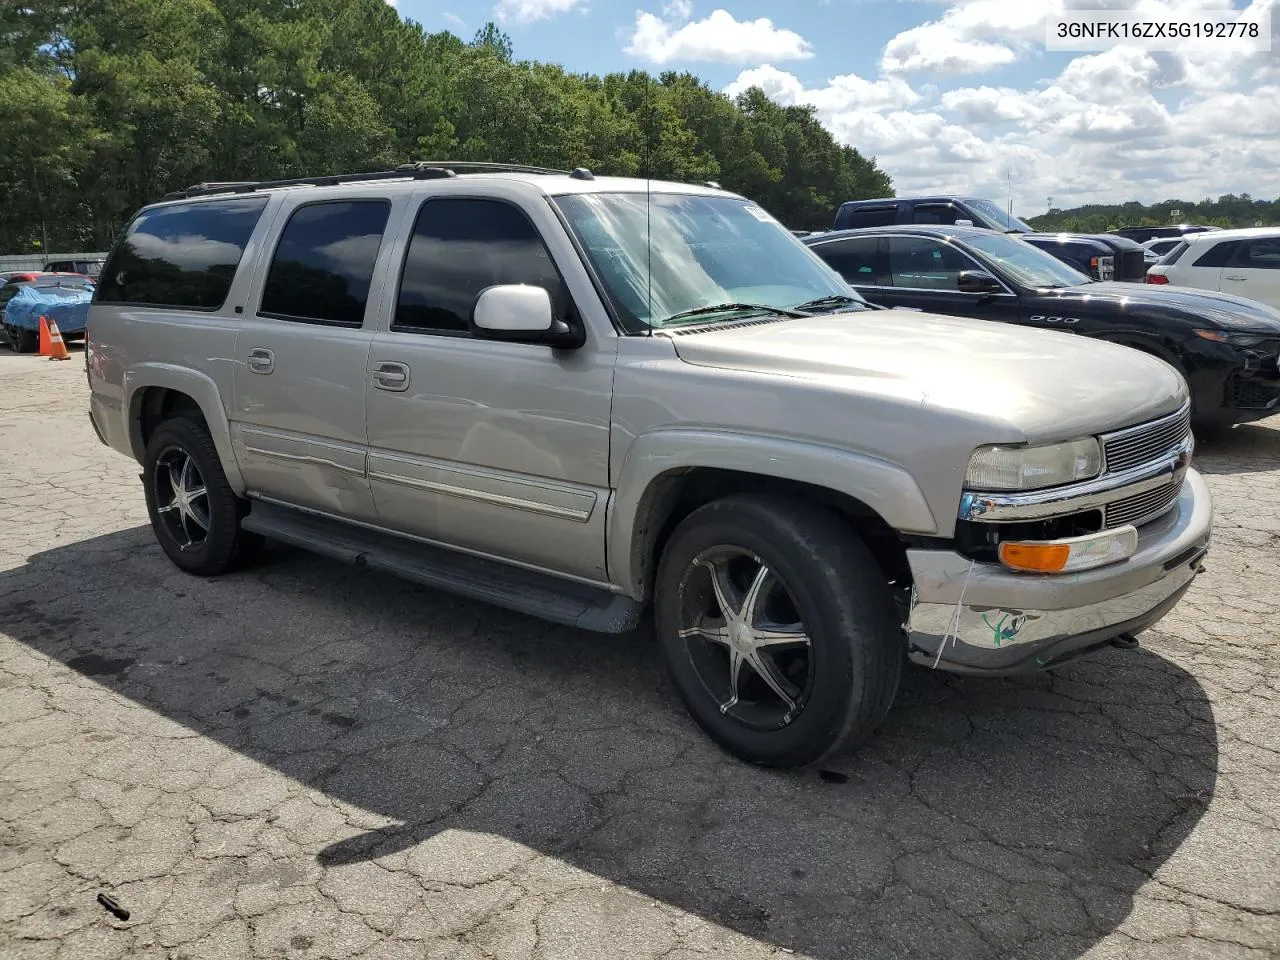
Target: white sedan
column 1154, row 250
column 1242, row 262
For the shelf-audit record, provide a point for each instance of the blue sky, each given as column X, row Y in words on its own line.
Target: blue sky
column 948, row 96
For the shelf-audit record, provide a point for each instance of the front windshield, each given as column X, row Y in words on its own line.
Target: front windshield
column 1028, row 265
column 660, row 255
column 1005, row 221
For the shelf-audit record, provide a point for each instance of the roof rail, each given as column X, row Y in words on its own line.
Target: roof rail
column 418, row 170
column 481, row 165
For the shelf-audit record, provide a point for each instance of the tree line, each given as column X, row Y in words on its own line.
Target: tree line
column 106, row 105
column 1226, row 211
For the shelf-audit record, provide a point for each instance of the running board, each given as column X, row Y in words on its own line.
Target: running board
column 514, row 588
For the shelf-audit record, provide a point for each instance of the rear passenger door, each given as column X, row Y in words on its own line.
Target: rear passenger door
column 496, row 448
column 302, row 354
column 1254, row 271
column 1201, row 265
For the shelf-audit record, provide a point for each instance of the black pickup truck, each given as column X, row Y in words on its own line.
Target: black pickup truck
column 1100, row 256
column 1226, row 347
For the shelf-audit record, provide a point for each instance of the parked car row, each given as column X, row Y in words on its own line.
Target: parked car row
column 1227, row 347
column 1100, row 256
column 586, row 397
column 21, row 333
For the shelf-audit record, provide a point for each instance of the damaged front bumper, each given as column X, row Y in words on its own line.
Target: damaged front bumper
column 980, row 618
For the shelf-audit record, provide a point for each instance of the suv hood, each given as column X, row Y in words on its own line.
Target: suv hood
column 1039, row 385
column 1223, row 309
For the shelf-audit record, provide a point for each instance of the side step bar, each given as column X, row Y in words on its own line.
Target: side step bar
column 514, row 588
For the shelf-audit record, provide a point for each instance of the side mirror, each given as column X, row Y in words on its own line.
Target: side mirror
column 520, row 313
column 977, row 281
column 964, row 223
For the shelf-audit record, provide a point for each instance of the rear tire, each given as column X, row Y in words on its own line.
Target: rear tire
column 816, row 648
column 194, row 512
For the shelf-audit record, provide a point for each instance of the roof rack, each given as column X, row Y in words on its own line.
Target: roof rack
column 417, row 170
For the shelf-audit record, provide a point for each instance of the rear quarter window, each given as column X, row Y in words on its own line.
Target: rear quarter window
column 1173, row 255
column 1217, row 255
column 183, row 255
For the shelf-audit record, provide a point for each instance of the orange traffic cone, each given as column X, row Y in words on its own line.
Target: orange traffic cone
column 45, row 345
column 57, row 349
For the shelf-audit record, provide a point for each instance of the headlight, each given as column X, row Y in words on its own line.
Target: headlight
column 1031, row 468
column 1235, row 339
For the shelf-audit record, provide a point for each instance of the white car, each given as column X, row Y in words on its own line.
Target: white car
column 1154, row 250
column 1242, row 262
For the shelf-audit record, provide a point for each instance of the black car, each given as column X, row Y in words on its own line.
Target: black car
column 1103, row 256
column 1227, row 348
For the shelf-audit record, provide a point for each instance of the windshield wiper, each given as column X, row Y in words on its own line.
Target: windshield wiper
column 835, row 300
column 731, row 308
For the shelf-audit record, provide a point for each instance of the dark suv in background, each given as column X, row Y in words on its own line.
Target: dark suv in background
column 1100, row 256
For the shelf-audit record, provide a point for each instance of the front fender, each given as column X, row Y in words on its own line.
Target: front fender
column 883, row 486
column 199, row 388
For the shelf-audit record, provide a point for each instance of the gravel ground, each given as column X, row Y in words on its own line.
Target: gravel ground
column 305, row 760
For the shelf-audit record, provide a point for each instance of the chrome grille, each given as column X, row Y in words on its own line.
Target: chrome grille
column 1141, row 507
column 1139, row 445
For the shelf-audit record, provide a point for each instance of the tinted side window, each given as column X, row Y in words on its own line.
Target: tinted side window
column 1262, row 254
column 872, row 216
column 1176, row 253
column 323, row 265
column 925, row 264
column 862, row 261
column 1218, row 255
column 937, row 213
column 183, row 256
column 461, row 246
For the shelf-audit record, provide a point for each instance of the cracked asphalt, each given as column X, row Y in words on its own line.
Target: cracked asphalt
column 305, row 760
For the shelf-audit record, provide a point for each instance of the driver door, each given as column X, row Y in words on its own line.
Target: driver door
column 495, row 448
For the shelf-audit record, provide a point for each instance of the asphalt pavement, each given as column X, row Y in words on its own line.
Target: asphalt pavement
column 307, row 760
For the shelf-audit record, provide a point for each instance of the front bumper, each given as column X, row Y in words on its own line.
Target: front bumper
column 980, row 618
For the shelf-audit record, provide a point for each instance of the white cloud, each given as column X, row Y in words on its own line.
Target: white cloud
column 844, row 92
column 971, row 36
column 678, row 9
column 719, row 37
column 1119, row 125
column 527, row 11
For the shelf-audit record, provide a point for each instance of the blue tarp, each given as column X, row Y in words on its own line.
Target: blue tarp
column 69, row 306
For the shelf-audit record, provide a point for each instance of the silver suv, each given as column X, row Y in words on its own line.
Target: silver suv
column 583, row 397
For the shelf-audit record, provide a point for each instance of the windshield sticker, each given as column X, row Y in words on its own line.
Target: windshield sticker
column 759, row 213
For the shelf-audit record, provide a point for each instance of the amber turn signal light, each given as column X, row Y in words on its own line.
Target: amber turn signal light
column 1072, row 554
column 1035, row 557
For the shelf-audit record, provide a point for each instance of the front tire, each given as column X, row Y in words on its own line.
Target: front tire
column 194, row 512
column 777, row 629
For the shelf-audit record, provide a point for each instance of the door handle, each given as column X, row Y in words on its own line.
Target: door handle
column 1234, row 278
column 261, row 360
column 391, row 376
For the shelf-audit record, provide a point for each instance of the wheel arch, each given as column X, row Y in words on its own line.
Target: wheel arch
column 157, row 392
column 1144, row 343
column 666, row 477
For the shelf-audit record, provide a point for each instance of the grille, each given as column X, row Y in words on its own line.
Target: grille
column 1133, row 448
column 1131, row 265
column 1142, row 507
column 1249, row 394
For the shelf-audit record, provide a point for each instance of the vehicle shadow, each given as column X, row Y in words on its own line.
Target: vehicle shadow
column 1247, row 448
column 989, row 817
